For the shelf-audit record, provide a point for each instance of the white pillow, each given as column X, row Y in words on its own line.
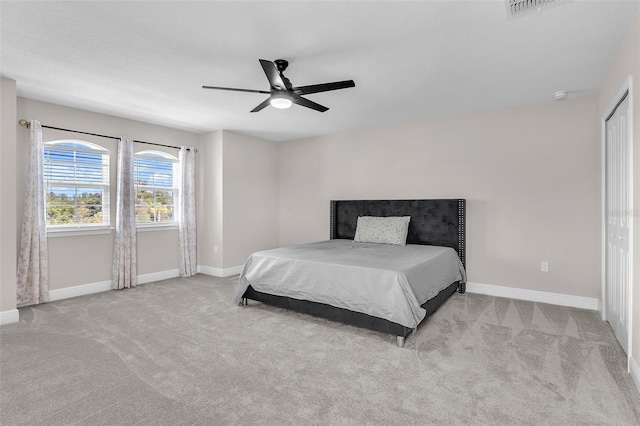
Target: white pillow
column 382, row 230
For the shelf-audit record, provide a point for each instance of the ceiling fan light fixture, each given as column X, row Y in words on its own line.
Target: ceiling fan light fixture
column 280, row 101
column 282, row 94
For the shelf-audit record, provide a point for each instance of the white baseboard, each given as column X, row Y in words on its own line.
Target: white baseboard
column 158, row 276
column 218, row 272
column 535, row 296
column 9, row 317
column 601, row 310
column 79, row 290
column 634, row 370
column 84, row 289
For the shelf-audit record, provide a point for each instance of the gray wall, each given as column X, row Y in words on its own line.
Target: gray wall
column 238, row 199
column 8, row 125
column 627, row 64
column 77, row 260
column 530, row 175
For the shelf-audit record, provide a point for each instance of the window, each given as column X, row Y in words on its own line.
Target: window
column 76, row 180
column 155, row 176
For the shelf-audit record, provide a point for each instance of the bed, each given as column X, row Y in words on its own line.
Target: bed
column 384, row 287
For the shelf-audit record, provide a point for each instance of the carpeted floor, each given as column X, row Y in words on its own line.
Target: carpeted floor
column 180, row 352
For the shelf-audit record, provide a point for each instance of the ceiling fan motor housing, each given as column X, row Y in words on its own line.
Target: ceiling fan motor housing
column 281, row 64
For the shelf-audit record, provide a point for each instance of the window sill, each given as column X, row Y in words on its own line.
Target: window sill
column 152, row 228
column 77, row 232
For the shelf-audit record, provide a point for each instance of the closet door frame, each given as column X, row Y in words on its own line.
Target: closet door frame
column 626, row 89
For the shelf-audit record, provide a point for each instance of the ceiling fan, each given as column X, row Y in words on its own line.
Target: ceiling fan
column 282, row 94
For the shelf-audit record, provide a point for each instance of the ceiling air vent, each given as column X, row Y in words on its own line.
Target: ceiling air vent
column 522, row 7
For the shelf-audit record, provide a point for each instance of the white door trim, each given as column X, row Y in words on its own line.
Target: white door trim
column 627, row 87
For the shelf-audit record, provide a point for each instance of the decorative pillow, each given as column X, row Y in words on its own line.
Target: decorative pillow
column 382, row 230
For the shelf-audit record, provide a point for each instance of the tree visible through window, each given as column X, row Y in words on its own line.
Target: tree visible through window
column 76, row 179
column 155, row 175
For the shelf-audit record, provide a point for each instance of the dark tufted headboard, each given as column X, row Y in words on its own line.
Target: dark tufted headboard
column 433, row 222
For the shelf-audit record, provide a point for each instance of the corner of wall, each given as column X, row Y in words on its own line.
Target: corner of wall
column 8, row 223
column 250, row 196
column 209, row 186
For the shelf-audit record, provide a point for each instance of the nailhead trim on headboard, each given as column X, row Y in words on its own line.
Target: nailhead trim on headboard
column 462, row 231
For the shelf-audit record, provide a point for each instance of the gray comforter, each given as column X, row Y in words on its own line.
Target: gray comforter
column 381, row 280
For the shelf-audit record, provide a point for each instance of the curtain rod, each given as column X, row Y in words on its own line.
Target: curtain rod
column 26, row 124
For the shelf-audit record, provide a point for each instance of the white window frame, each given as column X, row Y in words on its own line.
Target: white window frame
column 166, row 157
column 105, row 186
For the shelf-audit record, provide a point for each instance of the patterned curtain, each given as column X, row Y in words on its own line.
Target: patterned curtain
column 187, row 213
column 33, row 262
column 124, row 251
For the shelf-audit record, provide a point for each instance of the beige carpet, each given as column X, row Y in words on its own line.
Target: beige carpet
column 181, row 352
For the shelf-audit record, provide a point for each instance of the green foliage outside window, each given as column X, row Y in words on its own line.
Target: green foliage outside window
column 154, row 206
column 63, row 209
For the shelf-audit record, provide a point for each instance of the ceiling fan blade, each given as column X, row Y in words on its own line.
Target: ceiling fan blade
column 235, row 90
column 309, row 104
column 325, row 87
column 272, row 75
column 262, row 105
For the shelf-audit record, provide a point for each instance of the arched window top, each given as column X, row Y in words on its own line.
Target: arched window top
column 156, row 154
column 76, row 144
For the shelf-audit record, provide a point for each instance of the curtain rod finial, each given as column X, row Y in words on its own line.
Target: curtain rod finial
column 24, row 122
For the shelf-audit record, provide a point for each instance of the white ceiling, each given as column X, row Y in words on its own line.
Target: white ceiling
column 410, row 60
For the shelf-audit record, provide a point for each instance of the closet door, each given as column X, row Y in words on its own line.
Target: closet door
column 618, row 260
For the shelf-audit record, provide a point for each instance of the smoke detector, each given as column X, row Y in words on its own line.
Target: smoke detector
column 561, row 94
column 523, row 7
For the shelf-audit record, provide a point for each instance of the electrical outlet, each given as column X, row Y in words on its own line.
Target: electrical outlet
column 544, row 266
